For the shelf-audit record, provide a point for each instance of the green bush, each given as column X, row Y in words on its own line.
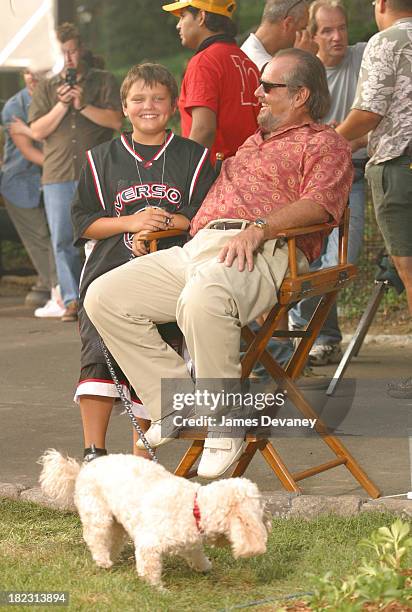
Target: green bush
column 380, row 579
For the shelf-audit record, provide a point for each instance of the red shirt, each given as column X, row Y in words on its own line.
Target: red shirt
column 309, row 161
column 222, row 78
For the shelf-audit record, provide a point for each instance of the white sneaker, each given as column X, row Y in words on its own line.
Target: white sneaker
column 164, row 431
column 154, row 437
column 54, row 307
column 218, row 455
column 324, row 354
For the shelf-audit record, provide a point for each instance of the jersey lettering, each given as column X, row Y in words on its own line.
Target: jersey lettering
column 137, row 193
column 247, row 97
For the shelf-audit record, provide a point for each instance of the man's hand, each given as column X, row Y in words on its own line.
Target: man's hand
column 77, row 93
column 242, row 247
column 304, row 41
column 150, row 220
column 65, row 94
column 18, row 128
column 358, row 143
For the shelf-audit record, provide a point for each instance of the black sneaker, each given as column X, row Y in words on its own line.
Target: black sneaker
column 92, row 453
column 401, row 389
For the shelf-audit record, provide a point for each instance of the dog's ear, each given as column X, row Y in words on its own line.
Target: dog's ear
column 247, row 531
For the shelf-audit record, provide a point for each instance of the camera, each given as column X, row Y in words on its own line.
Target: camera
column 71, row 77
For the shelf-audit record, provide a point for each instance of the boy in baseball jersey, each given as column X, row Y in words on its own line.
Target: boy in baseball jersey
column 148, row 179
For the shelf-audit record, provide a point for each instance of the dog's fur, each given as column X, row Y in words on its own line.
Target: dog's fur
column 120, row 495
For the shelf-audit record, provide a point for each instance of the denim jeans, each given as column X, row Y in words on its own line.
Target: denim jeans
column 57, row 203
column 301, row 314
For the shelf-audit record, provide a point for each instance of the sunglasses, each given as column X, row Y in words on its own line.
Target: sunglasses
column 267, row 86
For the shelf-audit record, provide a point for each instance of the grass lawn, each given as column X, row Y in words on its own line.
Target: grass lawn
column 43, row 550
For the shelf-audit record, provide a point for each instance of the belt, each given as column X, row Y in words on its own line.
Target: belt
column 228, row 225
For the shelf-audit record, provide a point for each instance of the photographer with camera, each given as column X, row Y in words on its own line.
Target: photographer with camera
column 71, row 112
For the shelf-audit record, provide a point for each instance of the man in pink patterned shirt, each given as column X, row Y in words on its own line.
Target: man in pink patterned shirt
column 292, row 172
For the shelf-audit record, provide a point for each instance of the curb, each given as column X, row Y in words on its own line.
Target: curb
column 22, row 281
column 294, row 505
column 392, row 339
column 280, row 505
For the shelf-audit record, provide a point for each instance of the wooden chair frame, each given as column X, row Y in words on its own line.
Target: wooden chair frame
column 324, row 283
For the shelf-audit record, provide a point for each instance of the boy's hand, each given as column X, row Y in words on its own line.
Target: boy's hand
column 151, row 220
column 139, row 246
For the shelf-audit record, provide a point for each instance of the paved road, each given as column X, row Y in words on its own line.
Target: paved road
column 39, row 366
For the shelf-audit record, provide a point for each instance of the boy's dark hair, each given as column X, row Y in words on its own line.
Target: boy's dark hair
column 68, row 31
column 150, row 74
column 216, row 23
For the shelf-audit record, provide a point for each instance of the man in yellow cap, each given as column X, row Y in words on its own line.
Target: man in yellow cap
column 217, row 105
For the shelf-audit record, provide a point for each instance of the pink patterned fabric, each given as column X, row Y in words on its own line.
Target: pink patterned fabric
column 307, row 161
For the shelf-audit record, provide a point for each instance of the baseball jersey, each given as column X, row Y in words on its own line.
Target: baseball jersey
column 122, row 178
column 221, row 77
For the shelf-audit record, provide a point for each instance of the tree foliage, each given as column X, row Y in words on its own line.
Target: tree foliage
column 130, row 31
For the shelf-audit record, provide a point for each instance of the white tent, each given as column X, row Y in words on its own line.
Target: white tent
column 27, row 37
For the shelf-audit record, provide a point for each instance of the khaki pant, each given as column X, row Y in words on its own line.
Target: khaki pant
column 31, row 225
column 209, row 301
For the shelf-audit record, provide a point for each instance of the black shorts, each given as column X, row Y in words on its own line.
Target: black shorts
column 95, row 378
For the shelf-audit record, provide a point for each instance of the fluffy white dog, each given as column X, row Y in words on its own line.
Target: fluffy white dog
column 120, row 495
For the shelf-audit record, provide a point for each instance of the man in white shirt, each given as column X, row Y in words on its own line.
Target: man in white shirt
column 283, row 26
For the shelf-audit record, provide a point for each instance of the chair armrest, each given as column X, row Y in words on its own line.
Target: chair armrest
column 153, row 237
column 170, row 233
column 309, row 229
column 292, row 233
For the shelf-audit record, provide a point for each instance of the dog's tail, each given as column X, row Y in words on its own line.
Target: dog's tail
column 58, row 477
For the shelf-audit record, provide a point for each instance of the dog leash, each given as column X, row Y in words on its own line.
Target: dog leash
column 126, row 402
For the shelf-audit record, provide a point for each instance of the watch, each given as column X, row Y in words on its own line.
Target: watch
column 260, row 223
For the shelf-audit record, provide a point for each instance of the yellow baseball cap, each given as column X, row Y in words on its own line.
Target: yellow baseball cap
column 220, row 7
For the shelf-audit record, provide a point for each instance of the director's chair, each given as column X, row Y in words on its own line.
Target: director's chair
column 325, row 284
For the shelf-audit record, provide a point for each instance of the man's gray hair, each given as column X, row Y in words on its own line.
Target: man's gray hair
column 327, row 4
column 276, row 10
column 308, row 72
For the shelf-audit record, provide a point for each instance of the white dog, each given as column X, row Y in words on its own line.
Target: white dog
column 118, row 495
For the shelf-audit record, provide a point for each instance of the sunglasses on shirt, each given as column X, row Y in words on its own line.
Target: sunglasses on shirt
column 267, row 86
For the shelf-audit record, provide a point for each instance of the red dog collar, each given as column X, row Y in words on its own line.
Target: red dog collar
column 196, row 513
